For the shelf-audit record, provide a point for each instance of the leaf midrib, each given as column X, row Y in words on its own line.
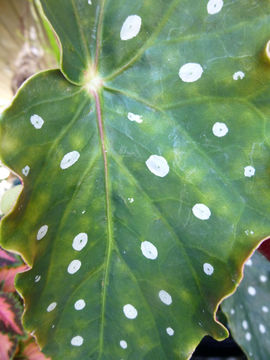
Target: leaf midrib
column 108, row 218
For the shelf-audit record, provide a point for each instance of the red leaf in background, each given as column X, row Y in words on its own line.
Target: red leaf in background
column 7, row 347
column 264, row 249
column 6, row 258
column 10, row 314
column 7, row 275
column 32, row 352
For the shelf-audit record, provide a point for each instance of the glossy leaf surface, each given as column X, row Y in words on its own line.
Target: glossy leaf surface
column 248, row 309
column 145, row 165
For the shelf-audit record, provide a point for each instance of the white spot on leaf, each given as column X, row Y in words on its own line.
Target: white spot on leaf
column 239, row 75
column 80, row 241
column 245, row 324
column 249, row 171
column 36, row 121
column 131, row 27
column 249, row 262
column 220, row 129
column 251, row 291
column 208, row 269
column 133, row 117
column 158, row 165
column 165, row 297
column 25, row 170
column 263, row 278
column 130, row 200
column 123, row 344
column 190, row 72
column 37, row 278
column 79, row 304
column 77, row 341
column 69, row 159
column 90, row 2
column 52, row 306
column 130, row 311
column 42, row 232
column 248, row 336
column 214, row 6
column 170, row 331
column 232, row 311
column 201, row 211
column 74, row 266
column 149, row 250
column 262, row 329
column 265, row 309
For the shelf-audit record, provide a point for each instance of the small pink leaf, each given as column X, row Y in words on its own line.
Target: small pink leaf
column 32, row 352
column 7, row 275
column 10, row 314
column 7, row 347
column 6, row 258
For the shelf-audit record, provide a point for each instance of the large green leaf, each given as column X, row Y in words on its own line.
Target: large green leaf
column 146, row 166
column 248, row 309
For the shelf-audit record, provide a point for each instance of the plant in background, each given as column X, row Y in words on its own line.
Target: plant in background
column 11, row 330
column 27, row 45
column 145, row 162
column 248, row 309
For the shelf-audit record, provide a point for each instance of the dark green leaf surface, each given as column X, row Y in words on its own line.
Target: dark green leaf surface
column 248, row 309
column 147, row 183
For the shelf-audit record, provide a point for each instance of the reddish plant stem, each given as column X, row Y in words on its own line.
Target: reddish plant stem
column 109, row 220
